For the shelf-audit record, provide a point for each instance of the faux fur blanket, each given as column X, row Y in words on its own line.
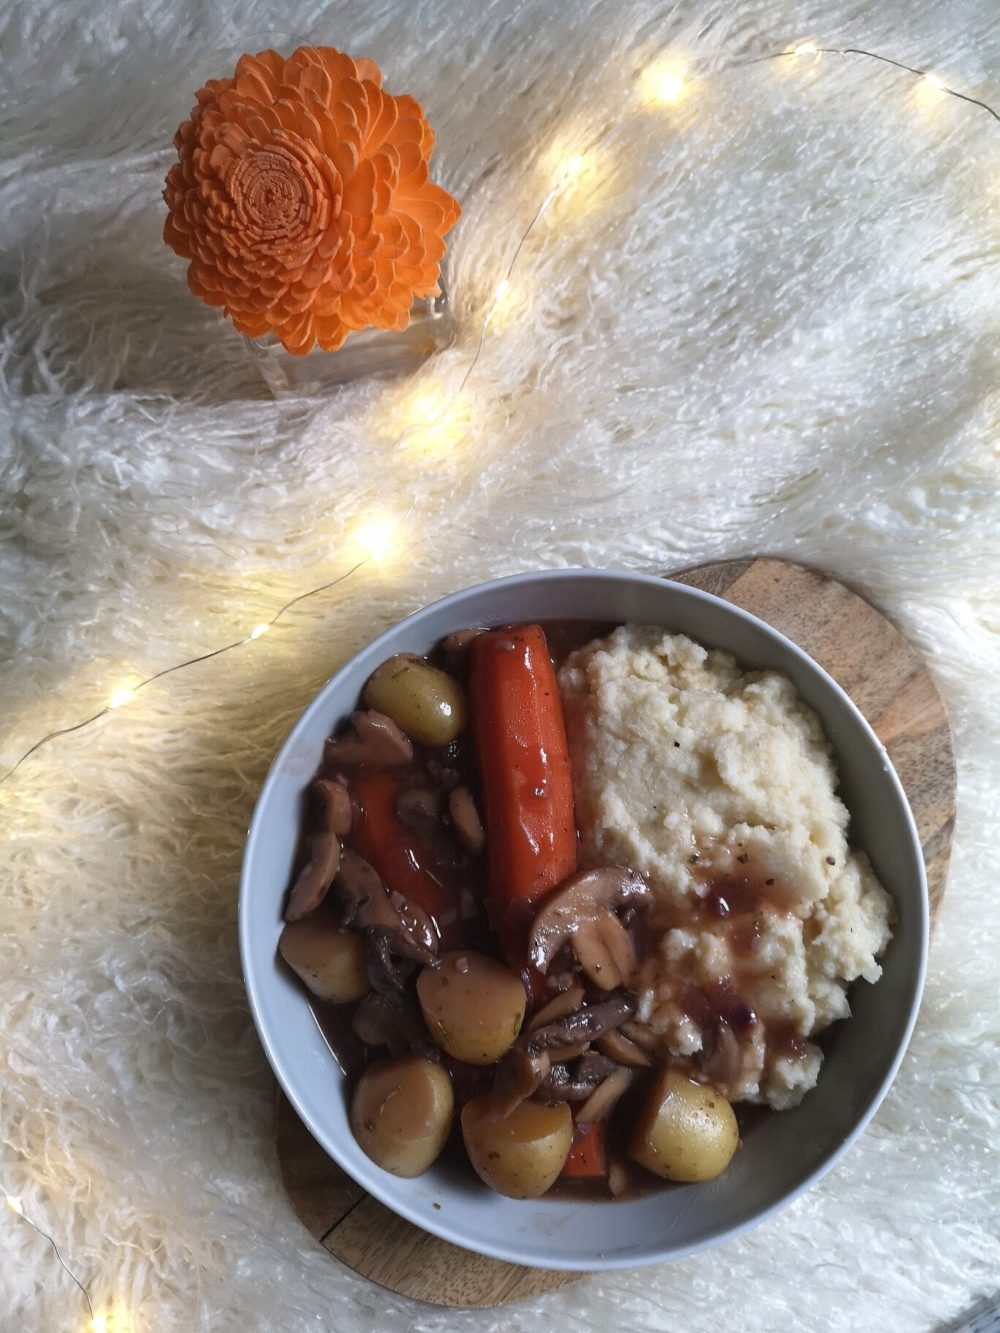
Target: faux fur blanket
column 768, row 323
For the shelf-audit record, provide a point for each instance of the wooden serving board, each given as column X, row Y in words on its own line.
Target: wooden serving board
column 889, row 681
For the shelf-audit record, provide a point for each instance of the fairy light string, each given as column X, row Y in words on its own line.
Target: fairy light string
column 810, row 50
column 13, row 1202
column 126, row 693
column 662, row 84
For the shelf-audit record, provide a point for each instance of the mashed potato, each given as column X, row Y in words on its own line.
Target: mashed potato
column 718, row 785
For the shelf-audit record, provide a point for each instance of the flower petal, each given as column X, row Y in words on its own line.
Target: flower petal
column 301, row 198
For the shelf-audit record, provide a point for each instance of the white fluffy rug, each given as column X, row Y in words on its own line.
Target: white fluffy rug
column 768, row 323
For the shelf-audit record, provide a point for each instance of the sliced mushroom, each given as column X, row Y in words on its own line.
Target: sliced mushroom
column 457, row 644
column 617, row 1177
column 585, row 1024
column 622, row 1050
column 594, row 1067
column 386, row 973
column 444, row 773
column 564, row 1055
column 520, row 1073
column 384, row 1020
column 538, row 1058
column 603, row 1099
column 314, row 879
column 376, row 742
column 563, row 1084
column 563, row 974
column 465, row 818
column 416, row 923
column 582, row 912
column 406, row 928
column 556, row 1008
column 422, row 810
column 559, row 1085
column 419, row 808
column 724, row 1063
column 334, row 801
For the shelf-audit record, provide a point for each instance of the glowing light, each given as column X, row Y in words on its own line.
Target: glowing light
column 377, row 537
column 117, row 1320
column 431, row 420
column 122, row 696
column 506, row 299
column 931, row 88
column 805, row 49
column 258, row 630
column 14, row 1204
column 427, row 404
column 577, row 180
column 663, row 83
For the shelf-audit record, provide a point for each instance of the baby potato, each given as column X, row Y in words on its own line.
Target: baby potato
column 687, row 1131
column 333, row 963
column 522, row 1155
column 401, row 1113
column 472, row 1005
column 426, row 703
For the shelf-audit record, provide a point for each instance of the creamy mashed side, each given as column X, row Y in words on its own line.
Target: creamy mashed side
column 718, row 785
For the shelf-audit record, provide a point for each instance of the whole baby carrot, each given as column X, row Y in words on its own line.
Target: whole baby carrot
column 524, row 767
column 395, row 850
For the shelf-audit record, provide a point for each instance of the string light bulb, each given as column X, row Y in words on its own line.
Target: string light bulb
column 115, row 1319
column 930, row 90
column 805, row 49
column 427, row 404
column 663, row 83
column 579, row 180
column 259, row 630
column 505, row 299
column 377, row 537
column 431, row 420
column 122, row 696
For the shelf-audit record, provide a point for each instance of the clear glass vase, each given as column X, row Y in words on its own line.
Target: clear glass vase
column 379, row 353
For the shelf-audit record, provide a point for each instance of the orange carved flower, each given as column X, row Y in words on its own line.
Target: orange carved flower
column 302, row 200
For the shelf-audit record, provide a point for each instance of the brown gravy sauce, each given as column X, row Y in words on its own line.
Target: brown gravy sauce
column 733, row 908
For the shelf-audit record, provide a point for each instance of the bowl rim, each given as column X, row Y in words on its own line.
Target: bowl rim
column 379, row 1183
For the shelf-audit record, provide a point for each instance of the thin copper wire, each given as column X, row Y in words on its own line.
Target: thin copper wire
column 19, row 1212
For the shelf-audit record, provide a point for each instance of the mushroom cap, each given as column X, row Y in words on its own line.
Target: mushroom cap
column 334, row 806
column 585, row 1024
column 406, row 927
column 315, row 877
column 581, row 912
column 377, row 743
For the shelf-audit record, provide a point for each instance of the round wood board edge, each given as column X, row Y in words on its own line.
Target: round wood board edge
column 889, row 681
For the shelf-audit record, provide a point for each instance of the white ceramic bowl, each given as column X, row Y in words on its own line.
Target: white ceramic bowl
column 785, row 1153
